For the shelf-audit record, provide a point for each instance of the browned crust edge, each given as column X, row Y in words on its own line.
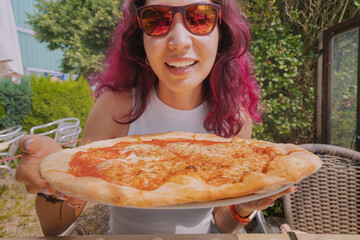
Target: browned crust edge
column 288, row 169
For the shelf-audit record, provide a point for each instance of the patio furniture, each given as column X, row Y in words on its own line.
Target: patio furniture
column 74, row 230
column 9, row 131
column 327, row 202
column 10, row 144
column 63, row 131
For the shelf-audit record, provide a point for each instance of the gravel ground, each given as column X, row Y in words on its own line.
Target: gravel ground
column 18, row 217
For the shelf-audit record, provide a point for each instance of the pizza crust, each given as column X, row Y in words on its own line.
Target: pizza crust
column 290, row 168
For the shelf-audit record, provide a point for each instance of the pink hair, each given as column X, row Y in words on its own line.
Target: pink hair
column 229, row 87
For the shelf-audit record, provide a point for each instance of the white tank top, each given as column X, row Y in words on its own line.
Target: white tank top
column 159, row 117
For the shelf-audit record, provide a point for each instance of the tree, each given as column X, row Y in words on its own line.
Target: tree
column 80, row 28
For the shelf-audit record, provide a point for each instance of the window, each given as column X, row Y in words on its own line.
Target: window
column 338, row 99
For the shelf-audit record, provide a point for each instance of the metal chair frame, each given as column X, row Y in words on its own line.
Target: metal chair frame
column 12, row 141
column 9, row 131
column 66, row 130
column 75, row 229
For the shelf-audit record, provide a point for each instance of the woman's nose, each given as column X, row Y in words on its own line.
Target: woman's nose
column 179, row 36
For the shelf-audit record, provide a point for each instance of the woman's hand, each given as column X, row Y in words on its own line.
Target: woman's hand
column 244, row 209
column 223, row 217
column 34, row 149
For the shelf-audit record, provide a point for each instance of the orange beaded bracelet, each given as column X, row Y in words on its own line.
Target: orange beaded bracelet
column 235, row 215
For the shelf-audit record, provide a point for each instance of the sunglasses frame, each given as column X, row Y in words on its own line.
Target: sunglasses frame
column 179, row 9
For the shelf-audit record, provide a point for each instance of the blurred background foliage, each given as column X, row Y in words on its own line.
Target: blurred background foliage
column 15, row 102
column 285, row 36
column 284, row 46
column 80, row 28
column 38, row 100
column 278, row 56
column 55, row 100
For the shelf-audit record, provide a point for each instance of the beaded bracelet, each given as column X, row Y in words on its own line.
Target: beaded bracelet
column 49, row 199
column 235, row 215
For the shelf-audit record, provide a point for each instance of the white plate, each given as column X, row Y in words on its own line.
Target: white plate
column 223, row 202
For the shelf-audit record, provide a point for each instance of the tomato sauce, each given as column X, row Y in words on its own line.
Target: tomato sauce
column 147, row 165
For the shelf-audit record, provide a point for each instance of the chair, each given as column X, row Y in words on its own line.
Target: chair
column 9, row 142
column 7, row 134
column 327, row 202
column 64, row 131
column 75, row 229
column 9, row 131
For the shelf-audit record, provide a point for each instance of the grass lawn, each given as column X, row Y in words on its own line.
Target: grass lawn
column 18, row 217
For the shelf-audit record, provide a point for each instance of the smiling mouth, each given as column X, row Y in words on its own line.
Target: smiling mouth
column 181, row 65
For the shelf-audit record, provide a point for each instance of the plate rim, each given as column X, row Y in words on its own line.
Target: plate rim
column 217, row 203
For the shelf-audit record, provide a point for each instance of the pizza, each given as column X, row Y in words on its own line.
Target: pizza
column 175, row 168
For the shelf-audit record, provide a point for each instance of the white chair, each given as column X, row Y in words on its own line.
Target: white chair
column 7, row 134
column 9, row 143
column 9, row 131
column 63, row 131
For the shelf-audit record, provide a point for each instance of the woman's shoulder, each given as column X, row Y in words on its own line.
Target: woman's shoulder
column 111, row 97
column 116, row 103
column 109, row 107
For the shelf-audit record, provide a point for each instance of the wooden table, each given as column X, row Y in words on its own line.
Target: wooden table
column 204, row 237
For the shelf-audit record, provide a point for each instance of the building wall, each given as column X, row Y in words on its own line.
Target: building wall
column 36, row 57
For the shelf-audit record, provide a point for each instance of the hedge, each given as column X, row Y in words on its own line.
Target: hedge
column 278, row 55
column 55, row 100
column 15, row 102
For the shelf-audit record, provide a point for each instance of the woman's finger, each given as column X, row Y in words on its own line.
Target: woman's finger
column 37, row 146
column 75, row 202
column 35, row 184
column 264, row 203
column 30, row 144
column 290, row 190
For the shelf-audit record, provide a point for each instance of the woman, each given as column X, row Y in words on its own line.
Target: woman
column 172, row 67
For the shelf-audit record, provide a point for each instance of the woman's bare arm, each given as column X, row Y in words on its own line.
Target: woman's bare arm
column 56, row 218
column 222, row 216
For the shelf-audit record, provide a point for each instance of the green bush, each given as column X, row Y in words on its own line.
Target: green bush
column 2, row 110
column 55, row 100
column 15, row 102
column 278, row 56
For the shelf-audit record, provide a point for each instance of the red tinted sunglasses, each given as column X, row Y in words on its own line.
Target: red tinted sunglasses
column 199, row 18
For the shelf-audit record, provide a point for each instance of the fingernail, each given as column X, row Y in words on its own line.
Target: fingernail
column 46, row 191
column 71, row 205
column 27, row 145
column 66, row 196
column 74, row 205
column 61, row 196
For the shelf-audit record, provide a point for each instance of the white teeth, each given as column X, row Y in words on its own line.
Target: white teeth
column 181, row 64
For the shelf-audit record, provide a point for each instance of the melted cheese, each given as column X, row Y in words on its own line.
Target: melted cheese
column 149, row 164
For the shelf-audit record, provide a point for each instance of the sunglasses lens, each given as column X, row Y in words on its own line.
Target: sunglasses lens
column 200, row 19
column 156, row 20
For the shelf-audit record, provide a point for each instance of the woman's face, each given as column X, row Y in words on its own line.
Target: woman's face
column 180, row 59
